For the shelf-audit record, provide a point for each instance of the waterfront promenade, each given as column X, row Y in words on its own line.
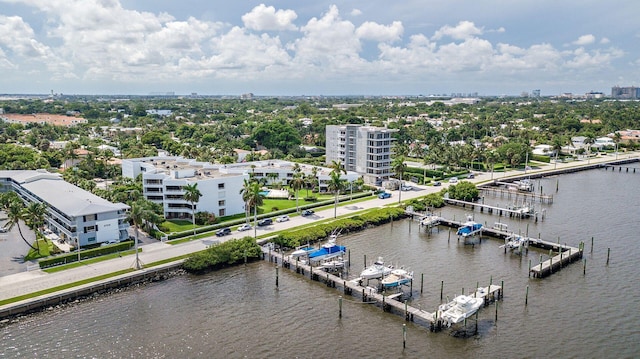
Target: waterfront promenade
column 25, row 283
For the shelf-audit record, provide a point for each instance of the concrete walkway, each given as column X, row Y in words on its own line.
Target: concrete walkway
column 29, row 282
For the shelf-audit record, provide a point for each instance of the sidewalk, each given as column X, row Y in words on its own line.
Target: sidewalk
column 29, row 282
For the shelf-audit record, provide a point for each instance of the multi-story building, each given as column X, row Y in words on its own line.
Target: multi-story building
column 164, row 179
column 625, row 92
column 75, row 215
column 365, row 150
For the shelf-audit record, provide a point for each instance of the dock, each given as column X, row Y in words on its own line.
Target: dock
column 391, row 302
column 530, row 196
column 524, row 212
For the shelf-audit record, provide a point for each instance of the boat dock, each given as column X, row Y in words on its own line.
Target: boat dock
column 502, row 192
column 388, row 302
column 512, row 212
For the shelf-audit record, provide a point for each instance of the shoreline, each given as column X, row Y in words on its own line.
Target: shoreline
column 25, row 283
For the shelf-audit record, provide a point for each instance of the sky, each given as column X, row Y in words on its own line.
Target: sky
column 303, row 47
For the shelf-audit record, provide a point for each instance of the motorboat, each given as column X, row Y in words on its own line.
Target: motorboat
column 515, row 242
column 334, row 264
column 469, row 228
column 328, row 250
column 302, row 251
column 460, row 308
column 524, row 185
column 377, row 270
column 500, row 226
column 397, row 278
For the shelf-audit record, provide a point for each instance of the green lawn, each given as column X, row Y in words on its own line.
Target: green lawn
column 178, row 225
column 45, row 250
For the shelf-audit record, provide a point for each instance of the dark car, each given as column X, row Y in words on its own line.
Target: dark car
column 471, row 176
column 265, row 222
column 223, row 231
column 307, row 212
column 437, row 183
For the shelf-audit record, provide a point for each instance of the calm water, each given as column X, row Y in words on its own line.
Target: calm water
column 238, row 312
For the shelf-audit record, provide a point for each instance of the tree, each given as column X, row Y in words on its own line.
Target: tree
column 465, row 191
column 13, row 206
column 192, row 195
column 336, row 184
column 399, row 167
column 296, row 184
column 136, row 217
column 251, row 194
column 34, row 216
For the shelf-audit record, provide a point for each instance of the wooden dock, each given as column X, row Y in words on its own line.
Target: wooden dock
column 389, row 302
column 530, row 196
column 517, row 212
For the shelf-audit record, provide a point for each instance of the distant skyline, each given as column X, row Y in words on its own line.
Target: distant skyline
column 292, row 47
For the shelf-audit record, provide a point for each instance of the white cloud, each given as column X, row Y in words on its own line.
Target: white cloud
column 356, row 12
column 464, row 30
column 604, row 40
column 585, row 40
column 266, row 18
column 18, row 36
column 377, row 32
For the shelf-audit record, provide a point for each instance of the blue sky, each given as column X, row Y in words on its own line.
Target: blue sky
column 295, row 47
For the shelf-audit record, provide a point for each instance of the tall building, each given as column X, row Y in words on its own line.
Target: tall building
column 625, row 92
column 75, row 215
column 365, row 150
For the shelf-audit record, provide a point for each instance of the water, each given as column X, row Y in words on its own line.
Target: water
column 238, row 312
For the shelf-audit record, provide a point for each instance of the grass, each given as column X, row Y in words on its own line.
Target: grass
column 89, row 261
column 178, row 225
column 45, row 250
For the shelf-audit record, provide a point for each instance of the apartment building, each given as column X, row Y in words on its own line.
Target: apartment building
column 365, row 150
column 75, row 215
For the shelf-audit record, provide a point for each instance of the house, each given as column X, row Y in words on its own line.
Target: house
column 544, row 150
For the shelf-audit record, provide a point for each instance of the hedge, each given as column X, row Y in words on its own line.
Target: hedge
column 296, row 238
column 223, row 255
column 86, row 254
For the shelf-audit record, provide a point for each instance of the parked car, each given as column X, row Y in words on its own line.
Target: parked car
column 283, row 218
column 307, row 212
column 453, row 180
column 471, row 176
column 244, row 227
column 223, row 231
column 437, row 183
column 384, row 195
column 265, row 222
column 108, row 243
column 406, row 188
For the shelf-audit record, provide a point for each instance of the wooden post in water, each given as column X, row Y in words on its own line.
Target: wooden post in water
column 276, row 276
column 340, row 306
column 406, row 310
column 584, row 266
column 441, row 289
column 526, row 297
column 404, row 336
column 608, row 252
column 527, row 233
column 496, row 311
column 476, row 321
column 557, row 183
column 348, row 258
column 501, row 289
column 591, row 244
column 529, row 275
column 365, row 261
column 421, row 283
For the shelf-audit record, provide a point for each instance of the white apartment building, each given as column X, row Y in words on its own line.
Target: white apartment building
column 163, row 179
column 75, row 215
column 365, row 150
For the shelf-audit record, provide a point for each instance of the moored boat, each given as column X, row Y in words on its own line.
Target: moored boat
column 460, row 308
column 377, row 270
column 469, row 228
column 397, row 278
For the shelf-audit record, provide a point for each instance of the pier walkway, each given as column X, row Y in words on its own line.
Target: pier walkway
column 388, row 302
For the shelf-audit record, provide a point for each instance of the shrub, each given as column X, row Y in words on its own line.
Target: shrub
column 223, row 255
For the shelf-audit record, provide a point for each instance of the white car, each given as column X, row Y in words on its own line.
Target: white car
column 244, row 227
column 453, row 180
column 282, row 218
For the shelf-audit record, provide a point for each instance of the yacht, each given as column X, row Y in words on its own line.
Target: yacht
column 459, row 309
column 377, row 270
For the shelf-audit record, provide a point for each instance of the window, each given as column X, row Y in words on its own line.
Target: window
column 221, row 212
column 220, row 185
column 90, row 229
column 91, row 217
column 221, row 203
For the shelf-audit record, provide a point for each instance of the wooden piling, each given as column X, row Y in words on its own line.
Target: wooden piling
column 526, row 297
column 584, row 266
column 496, row 320
column 608, row 253
column 404, row 336
column 421, row 283
column 441, row 289
column 591, row 244
column 340, row 306
column 277, row 276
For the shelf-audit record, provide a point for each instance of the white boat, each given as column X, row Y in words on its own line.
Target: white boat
column 524, row 185
column 334, row 263
column 515, row 242
column 397, row 278
column 376, row 270
column 500, row 226
column 460, row 308
column 302, row 251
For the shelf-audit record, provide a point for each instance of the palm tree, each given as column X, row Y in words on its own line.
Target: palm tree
column 589, row 140
column 296, row 184
column 245, row 192
column 557, row 147
column 336, row 183
column 34, row 215
column 251, row 194
column 399, row 167
column 136, row 216
column 192, row 195
column 617, row 137
column 13, row 207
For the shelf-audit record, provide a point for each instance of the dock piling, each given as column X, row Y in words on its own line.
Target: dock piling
column 340, row 306
column 441, row 289
column 421, row 283
column 404, row 336
column 276, row 276
column 608, row 253
column 526, row 297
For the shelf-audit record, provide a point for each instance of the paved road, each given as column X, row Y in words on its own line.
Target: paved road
column 29, row 282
